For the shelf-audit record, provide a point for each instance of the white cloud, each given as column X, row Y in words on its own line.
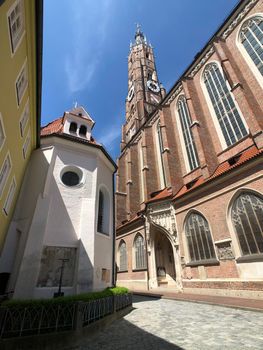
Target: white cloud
column 109, row 137
column 89, row 23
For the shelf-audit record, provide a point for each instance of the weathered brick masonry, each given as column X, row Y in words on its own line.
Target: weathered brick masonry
column 198, row 211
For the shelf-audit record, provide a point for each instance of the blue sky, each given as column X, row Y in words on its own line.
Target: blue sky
column 86, row 44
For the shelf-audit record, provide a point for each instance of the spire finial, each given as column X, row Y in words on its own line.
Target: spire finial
column 139, row 36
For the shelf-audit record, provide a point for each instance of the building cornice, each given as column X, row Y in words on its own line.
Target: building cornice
column 83, row 142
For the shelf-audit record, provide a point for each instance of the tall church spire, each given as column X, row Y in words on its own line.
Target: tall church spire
column 144, row 88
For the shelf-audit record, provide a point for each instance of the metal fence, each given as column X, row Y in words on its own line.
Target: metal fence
column 22, row 321
column 122, row 301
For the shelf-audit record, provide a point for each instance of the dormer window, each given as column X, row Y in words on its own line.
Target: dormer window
column 83, row 130
column 73, row 128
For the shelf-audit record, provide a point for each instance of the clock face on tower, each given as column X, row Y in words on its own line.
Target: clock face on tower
column 130, row 93
column 153, row 86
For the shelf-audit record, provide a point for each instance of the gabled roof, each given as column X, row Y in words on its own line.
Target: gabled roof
column 81, row 113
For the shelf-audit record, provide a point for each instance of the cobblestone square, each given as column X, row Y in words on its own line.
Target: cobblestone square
column 169, row 324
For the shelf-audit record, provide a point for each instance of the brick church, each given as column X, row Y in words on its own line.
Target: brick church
column 189, row 196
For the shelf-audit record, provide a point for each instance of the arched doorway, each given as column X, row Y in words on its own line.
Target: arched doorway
column 164, row 260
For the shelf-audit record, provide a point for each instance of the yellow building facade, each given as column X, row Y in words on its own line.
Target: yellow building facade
column 20, row 97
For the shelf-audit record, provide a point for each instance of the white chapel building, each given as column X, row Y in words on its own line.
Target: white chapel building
column 64, row 215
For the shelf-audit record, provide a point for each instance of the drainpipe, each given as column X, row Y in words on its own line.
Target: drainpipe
column 113, row 233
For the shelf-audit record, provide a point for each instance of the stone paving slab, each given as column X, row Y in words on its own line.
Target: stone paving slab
column 164, row 324
column 236, row 302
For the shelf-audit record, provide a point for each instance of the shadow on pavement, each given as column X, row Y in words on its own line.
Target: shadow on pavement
column 122, row 335
column 141, row 298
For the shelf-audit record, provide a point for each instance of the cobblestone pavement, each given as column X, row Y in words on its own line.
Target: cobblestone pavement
column 169, row 325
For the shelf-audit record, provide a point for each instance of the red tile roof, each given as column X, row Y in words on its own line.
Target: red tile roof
column 184, row 189
column 165, row 193
column 135, row 218
column 223, row 168
column 56, row 128
column 243, row 157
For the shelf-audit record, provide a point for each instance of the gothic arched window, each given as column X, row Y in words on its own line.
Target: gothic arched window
column 103, row 212
column 123, row 256
column 73, row 127
column 139, row 252
column 247, row 218
column 251, row 37
column 223, row 103
column 186, row 121
column 160, row 150
column 199, row 238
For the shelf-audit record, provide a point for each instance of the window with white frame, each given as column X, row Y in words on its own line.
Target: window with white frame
column 224, row 105
column 139, row 252
column 4, row 173
column 160, row 150
column 16, row 23
column 2, row 132
column 251, row 37
column 24, row 119
column 199, row 238
column 10, row 197
column 123, row 256
column 26, row 145
column 186, row 121
column 21, row 83
column 247, row 219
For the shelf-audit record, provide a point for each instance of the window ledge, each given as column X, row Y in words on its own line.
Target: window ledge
column 206, row 262
column 107, row 235
column 250, row 258
column 121, row 271
column 140, row 269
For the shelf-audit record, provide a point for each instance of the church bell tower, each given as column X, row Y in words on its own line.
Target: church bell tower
column 144, row 89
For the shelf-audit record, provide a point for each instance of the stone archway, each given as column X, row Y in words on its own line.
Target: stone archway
column 164, row 257
column 164, row 263
column 164, row 260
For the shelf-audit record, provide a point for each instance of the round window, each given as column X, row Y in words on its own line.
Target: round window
column 70, row 178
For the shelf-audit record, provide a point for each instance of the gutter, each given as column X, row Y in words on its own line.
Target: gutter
column 39, row 55
column 113, row 233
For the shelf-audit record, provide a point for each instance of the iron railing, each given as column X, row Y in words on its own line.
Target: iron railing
column 21, row 321
column 122, row 301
